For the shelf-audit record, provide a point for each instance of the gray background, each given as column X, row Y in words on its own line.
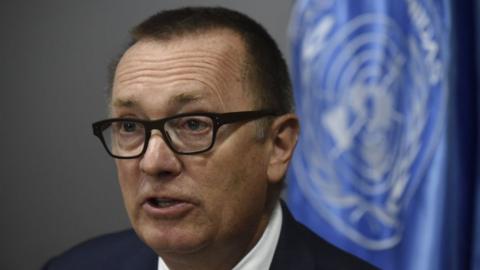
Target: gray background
column 58, row 187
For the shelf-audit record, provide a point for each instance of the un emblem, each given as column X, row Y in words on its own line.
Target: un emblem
column 371, row 97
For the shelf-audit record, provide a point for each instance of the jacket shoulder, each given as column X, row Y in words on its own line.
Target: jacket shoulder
column 300, row 248
column 121, row 250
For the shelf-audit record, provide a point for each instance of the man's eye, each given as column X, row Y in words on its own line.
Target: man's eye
column 195, row 124
column 128, row 126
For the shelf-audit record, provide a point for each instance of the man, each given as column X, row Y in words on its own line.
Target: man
column 202, row 130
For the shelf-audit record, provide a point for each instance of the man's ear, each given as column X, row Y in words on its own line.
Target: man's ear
column 283, row 135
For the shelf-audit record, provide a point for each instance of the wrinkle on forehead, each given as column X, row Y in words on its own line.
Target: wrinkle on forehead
column 212, row 61
column 176, row 101
column 208, row 62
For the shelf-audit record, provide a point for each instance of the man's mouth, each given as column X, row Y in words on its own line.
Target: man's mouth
column 167, row 208
column 162, row 202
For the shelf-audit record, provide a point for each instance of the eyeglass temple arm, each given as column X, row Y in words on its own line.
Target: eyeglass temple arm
column 226, row 118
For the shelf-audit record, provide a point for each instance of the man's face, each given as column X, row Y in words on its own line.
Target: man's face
column 209, row 200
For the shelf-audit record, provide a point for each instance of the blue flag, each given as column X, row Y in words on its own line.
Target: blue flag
column 370, row 173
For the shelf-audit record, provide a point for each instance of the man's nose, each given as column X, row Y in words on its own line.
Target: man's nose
column 159, row 160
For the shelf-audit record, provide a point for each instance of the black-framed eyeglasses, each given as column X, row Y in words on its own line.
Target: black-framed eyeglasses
column 187, row 134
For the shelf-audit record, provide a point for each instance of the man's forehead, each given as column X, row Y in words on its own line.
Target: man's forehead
column 220, row 52
column 197, row 67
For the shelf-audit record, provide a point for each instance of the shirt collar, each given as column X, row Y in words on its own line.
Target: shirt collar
column 261, row 255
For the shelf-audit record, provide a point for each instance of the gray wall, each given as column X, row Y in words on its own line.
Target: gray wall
column 57, row 186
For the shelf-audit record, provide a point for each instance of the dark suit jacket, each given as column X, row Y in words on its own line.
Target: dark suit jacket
column 298, row 248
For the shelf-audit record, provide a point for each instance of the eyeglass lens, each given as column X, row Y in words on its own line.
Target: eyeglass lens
column 186, row 134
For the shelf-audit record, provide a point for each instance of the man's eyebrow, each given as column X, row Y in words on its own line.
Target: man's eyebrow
column 185, row 98
column 127, row 103
column 178, row 100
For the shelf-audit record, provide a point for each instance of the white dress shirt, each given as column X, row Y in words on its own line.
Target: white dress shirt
column 261, row 255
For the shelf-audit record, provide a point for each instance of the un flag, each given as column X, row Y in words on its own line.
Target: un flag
column 372, row 84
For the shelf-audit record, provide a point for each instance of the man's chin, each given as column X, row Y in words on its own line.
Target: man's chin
column 171, row 241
